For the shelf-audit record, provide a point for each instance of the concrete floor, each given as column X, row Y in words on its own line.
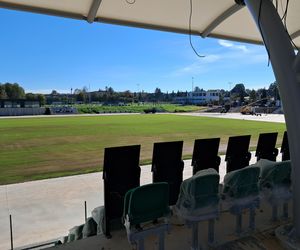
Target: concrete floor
column 180, row 237
column 47, row 209
column 263, row 118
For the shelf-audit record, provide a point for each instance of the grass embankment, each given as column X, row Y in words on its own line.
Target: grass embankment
column 135, row 108
column 38, row 148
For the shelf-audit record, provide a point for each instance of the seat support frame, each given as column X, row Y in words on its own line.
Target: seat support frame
column 136, row 237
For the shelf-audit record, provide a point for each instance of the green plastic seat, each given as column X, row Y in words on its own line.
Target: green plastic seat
column 241, row 192
column 199, row 194
column 274, row 174
column 145, row 204
column 242, row 183
column 275, row 184
column 199, row 201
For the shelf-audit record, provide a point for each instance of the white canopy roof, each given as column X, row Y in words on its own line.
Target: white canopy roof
column 210, row 18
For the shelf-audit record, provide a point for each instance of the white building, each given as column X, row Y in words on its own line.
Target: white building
column 199, row 97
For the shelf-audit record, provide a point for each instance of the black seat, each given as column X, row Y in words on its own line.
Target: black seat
column 285, row 151
column 237, row 153
column 167, row 166
column 266, row 146
column 205, row 154
column 121, row 172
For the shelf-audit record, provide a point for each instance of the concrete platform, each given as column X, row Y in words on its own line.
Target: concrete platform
column 263, row 117
column 179, row 238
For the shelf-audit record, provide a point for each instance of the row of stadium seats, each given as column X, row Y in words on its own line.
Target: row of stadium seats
column 201, row 198
column 121, row 173
column 121, row 170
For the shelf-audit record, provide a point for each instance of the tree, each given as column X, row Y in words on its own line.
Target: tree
column 262, row 93
column 14, row 91
column 197, row 89
column 54, row 92
column 238, row 88
column 239, row 91
column 110, row 91
column 157, row 94
column 252, row 95
column 273, row 91
column 85, row 89
column 3, row 94
column 81, row 97
column 41, row 98
column 77, row 91
column 127, row 94
column 30, row 97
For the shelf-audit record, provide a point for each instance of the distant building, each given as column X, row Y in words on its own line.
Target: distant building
column 19, row 103
column 199, row 97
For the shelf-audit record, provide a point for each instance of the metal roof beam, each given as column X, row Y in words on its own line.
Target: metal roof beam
column 216, row 22
column 295, row 34
column 93, row 10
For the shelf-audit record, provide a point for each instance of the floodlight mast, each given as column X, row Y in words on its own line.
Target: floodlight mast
column 285, row 67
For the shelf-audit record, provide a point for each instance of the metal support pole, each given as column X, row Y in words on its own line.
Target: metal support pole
column 195, row 242
column 274, row 213
column 141, row 244
column 238, row 227
column 285, row 214
column 252, row 218
column 11, row 233
column 161, row 243
column 282, row 57
column 211, row 231
column 85, row 213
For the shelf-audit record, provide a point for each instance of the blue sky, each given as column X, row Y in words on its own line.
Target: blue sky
column 43, row 53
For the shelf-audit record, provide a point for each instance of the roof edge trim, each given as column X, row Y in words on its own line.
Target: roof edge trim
column 172, row 29
column 20, row 7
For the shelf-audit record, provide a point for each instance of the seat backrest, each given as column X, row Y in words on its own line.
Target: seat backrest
column 242, row 183
column 237, row 153
column 266, row 146
column 167, row 154
column 121, row 172
column 274, row 174
column 205, row 154
column 120, row 163
column 167, row 166
column 237, row 146
column 147, row 203
column 285, row 150
column 199, row 191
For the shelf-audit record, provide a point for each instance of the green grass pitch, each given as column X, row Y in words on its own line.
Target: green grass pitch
column 38, row 148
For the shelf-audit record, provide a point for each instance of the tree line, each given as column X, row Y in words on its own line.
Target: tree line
column 109, row 96
column 13, row 91
column 239, row 92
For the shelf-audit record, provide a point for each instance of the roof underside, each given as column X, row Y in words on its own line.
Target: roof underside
column 210, row 18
